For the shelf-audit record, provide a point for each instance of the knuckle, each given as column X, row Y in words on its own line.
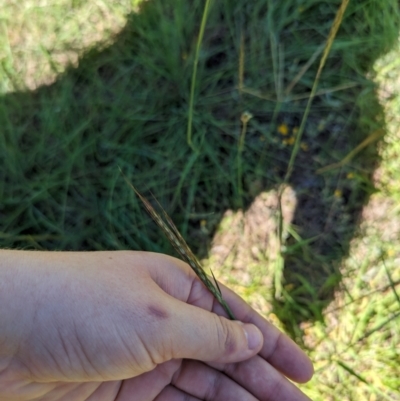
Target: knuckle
column 226, row 337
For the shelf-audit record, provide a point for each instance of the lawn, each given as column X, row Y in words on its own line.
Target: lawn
column 293, row 202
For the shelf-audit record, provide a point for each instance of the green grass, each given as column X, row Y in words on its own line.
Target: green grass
column 87, row 87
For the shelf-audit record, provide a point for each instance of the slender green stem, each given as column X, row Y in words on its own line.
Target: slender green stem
column 194, row 74
column 245, row 118
column 239, row 163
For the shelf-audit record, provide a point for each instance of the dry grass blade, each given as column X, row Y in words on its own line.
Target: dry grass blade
column 328, row 45
column 176, row 239
column 370, row 139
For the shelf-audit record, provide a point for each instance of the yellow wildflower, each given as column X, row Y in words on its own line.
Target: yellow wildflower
column 390, row 252
column 350, row 175
column 289, row 141
column 283, row 129
column 295, row 130
column 304, row 146
column 337, row 193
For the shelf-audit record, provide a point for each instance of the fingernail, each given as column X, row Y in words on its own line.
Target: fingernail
column 254, row 336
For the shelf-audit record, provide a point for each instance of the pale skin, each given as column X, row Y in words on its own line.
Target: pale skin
column 133, row 326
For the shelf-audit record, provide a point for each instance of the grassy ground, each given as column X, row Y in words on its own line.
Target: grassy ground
column 88, row 87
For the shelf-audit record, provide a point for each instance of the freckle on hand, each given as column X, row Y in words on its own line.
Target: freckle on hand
column 157, row 312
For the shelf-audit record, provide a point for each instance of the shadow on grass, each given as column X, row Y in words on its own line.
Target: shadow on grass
column 126, row 106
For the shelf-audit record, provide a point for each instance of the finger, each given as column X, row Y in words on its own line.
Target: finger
column 205, row 383
column 278, row 349
column 201, row 335
column 262, row 380
column 171, row 393
column 148, row 386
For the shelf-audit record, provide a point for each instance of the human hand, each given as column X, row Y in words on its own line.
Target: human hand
column 123, row 326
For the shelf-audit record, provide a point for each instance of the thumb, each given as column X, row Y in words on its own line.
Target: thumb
column 205, row 336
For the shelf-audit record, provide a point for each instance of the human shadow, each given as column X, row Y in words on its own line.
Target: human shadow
column 126, row 107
